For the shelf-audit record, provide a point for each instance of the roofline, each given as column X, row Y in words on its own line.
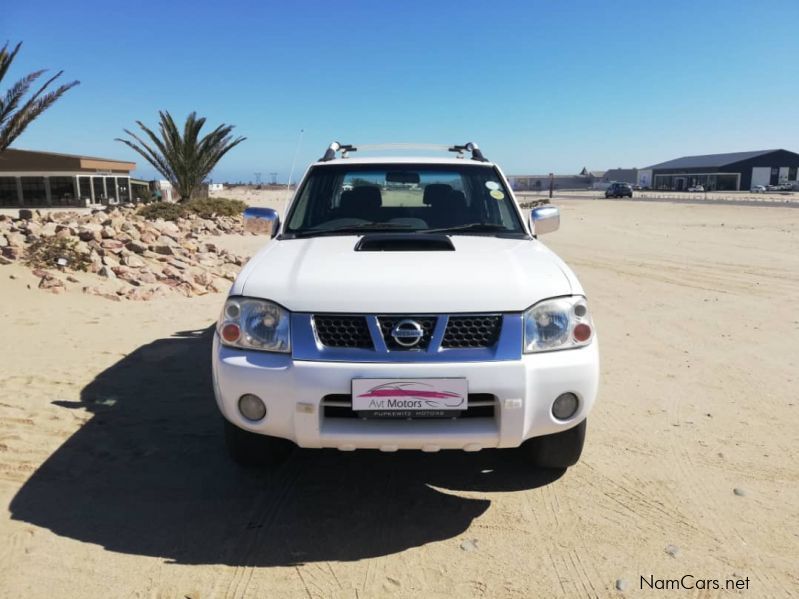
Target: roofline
column 78, row 156
column 754, row 152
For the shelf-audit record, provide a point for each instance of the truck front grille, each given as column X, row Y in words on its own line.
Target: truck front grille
column 335, row 330
column 472, row 331
column 387, row 324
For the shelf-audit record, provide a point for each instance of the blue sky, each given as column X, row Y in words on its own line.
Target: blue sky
column 541, row 86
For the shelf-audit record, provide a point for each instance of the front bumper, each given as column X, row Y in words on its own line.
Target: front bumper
column 293, row 390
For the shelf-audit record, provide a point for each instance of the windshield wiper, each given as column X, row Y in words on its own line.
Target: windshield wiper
column 475, row 227
column 373, row 227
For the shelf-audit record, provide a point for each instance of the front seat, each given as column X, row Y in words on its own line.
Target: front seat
column 362, row 202
column 448, row 210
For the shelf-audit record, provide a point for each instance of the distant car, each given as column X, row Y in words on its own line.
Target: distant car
column 758, row 189
column 696, row 188
column 619, row 190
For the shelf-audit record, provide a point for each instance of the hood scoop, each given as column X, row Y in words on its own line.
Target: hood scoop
column 404, row 242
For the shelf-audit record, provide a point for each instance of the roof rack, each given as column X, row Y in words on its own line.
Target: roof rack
column 330, row 153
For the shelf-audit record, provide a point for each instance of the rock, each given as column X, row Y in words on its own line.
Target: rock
column 99, row 292
column 112, row 245
column 28, row 214
column 48, row 230
column 147, row 277
column 34, row 228
column 672, row 550
column 11, row 253
column 110, row 260
column 52, row 283
column 166, row 250
column 137, row 247
column 139, row 294
column 178, row 264
column 15, row 239
column 739, row 492
column 106, row 272
column 3, row 241
column 166, row 240
column 133, row 261
column 219, row 285
column 90, row 231
column 622, row 585
column 108, row 232
column 166, row 227
column 72, row 279
column 469, row 545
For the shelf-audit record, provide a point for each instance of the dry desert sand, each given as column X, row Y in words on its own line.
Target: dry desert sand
column 115, row 480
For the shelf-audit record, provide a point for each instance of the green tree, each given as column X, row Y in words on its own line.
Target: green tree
column 185, row 160
column 16, row 113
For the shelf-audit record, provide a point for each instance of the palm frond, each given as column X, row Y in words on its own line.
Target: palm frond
column 15, row 118
column 184, row 158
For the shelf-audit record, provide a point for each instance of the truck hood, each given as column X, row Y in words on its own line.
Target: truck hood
column 483, row 274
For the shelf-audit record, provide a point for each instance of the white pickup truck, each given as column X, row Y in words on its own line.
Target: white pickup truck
column 405, row 303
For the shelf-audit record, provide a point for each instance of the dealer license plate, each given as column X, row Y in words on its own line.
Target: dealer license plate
column 409, row 398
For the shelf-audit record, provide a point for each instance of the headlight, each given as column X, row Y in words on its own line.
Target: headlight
column 254, row 324
column 561, row 323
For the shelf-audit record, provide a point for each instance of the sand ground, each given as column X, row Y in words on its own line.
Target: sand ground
column 115, row 481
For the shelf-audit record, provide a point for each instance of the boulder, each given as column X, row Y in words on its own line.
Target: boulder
column 135, row 246
column 133, row 261
column 112, row 245
column 166, row 250
column 106, row 272
column 15, row 239
column 52, row 283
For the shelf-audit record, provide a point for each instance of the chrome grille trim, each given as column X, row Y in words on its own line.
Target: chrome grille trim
column 306, row 344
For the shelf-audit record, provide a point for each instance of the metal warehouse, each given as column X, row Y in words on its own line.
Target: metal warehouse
column 723, row 172
column 48, row 179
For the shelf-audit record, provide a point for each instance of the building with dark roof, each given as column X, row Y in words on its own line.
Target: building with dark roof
column 723, row 172
column 49, row 179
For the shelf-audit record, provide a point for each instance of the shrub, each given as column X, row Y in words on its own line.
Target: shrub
column 165, row 210
column 46, row 251
column 208, row 207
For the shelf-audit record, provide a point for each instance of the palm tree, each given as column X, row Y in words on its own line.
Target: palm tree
column 15, row 118
column 184, row 160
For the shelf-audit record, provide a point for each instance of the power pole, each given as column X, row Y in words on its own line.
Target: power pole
column 274, row 178
column 257, row 178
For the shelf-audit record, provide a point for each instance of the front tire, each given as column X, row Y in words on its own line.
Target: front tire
column 252, row 449
column 559, row 450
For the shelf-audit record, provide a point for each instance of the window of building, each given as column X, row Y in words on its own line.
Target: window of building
column 111, row 188
column 62, row 191
column 33, row 191
column 124, row 189
column 8, row 191
column 792, row 173
column 85, row 192
column 99, row 189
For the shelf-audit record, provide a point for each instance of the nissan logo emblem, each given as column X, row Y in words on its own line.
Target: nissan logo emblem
column 407, row 333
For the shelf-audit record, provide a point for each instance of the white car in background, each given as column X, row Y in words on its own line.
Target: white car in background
column 758, row 189
column 405, row 303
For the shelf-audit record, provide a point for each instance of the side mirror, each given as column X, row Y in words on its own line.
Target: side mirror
column 262, row 221
column 544, row 219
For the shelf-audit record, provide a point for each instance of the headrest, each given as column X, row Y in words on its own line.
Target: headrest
column 434, row 191
column 364, row 197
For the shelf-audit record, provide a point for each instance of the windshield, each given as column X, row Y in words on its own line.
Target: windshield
column 464, row 199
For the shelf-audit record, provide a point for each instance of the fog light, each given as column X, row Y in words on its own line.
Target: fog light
column 251, row 407
column 565, row 406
